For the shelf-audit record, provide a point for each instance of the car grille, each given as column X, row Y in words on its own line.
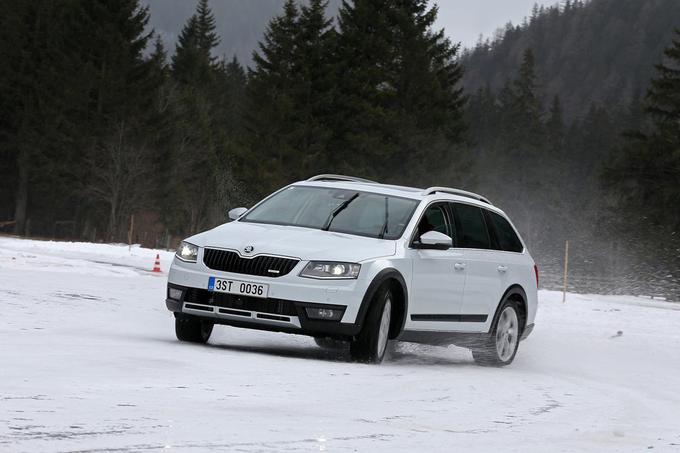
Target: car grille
column 265, row 266
column 272, row 306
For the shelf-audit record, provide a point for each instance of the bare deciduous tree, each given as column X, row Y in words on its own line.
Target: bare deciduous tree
column 120, row 176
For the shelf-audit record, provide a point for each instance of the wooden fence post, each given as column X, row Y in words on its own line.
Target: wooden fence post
column 130, row 231
column 566, row 270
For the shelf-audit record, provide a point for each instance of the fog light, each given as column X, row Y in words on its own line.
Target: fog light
column 174, row 293
column 329, row 314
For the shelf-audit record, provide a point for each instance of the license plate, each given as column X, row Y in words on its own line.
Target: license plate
column 225, row 285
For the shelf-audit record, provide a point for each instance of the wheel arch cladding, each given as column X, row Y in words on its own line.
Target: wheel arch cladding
column 515, row 293
column 397, row 285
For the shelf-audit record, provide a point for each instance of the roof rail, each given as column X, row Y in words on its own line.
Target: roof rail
column 339, row 178
column 462, row 193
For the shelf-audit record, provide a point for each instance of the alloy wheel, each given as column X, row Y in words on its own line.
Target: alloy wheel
column 507, row 334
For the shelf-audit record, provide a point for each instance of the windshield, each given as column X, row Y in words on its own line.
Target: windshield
column 338, row 210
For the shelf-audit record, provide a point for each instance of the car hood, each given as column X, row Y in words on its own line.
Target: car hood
column 298, row 242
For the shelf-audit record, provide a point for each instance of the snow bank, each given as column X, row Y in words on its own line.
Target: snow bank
column 88, row 362
column 82, row 257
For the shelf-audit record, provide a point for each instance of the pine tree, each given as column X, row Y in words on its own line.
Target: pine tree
column 644, row 178
column 271, row 112
column 205, row 28
column 555, row 124
column 291, row 93
column 79, row 68
column 115, row 38
column 229, row 130
column 159, row 58
column 36, row 79
column 276, row 51
column 399, row 101
column 650, row 164
column 201, row 141
column 121, row 86
column 526, row 102
column 234, row 86
column 482, row 115
column 193, row 62
column 663, row 97
column 557, row 160
column 189, row 63
column 521, row 125
column 520, row 143
column 313, row 92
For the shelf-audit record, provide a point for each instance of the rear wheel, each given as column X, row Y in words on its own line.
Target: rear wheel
column 193, row 330
column 500, row 347
column 371, row 343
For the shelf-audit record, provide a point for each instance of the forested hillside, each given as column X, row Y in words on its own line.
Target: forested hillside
column 95, row 131
column 598, row 52
column 555, row 105
column 569, row 122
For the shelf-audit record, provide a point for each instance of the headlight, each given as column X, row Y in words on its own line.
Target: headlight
column 331, row 270
column 187, row 252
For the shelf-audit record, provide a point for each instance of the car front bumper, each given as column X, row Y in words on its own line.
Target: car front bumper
column 271, row 314
column 348, row 293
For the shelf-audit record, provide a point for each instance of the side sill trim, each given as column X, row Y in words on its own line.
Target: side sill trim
column 449, row 318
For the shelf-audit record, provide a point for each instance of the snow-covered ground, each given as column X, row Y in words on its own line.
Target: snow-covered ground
column 89, row 362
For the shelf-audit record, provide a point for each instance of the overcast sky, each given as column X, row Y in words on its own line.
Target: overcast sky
column 465, row 20
column 241, row 23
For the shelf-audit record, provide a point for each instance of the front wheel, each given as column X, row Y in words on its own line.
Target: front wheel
column 193, row 330
column 371, row 343
column 501, row 346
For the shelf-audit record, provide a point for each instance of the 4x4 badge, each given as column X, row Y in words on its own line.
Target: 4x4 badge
column 249, row 249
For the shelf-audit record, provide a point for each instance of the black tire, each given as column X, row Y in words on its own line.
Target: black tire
column 193, row 330
column 330, row 343
column 367, row 346
column 491, row 350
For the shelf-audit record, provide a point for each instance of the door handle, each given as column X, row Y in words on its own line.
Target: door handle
column 459, row 266
column 502, row 269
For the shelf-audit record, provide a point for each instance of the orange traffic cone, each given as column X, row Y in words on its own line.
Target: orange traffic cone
column 157, row 264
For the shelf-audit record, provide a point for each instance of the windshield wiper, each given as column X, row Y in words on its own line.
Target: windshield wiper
column 383, row 232
column 338, row 210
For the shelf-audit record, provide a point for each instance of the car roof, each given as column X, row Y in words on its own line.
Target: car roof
column 414, row 193
column 386, row 189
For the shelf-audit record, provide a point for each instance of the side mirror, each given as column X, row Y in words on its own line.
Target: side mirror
column 236, row 213
column 434, row 240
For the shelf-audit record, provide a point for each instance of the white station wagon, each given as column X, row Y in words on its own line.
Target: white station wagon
column 342, row 258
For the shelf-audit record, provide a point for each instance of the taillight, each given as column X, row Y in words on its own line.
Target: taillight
column 536, row 272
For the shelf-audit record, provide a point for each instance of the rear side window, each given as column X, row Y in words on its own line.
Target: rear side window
column 505, row 234
column 471, row 226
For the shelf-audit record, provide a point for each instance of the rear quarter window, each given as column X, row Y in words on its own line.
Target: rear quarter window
column 505, row 234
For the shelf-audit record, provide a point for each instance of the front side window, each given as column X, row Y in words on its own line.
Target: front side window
column 435, row 218
column 338, row 210
column 472, row 230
